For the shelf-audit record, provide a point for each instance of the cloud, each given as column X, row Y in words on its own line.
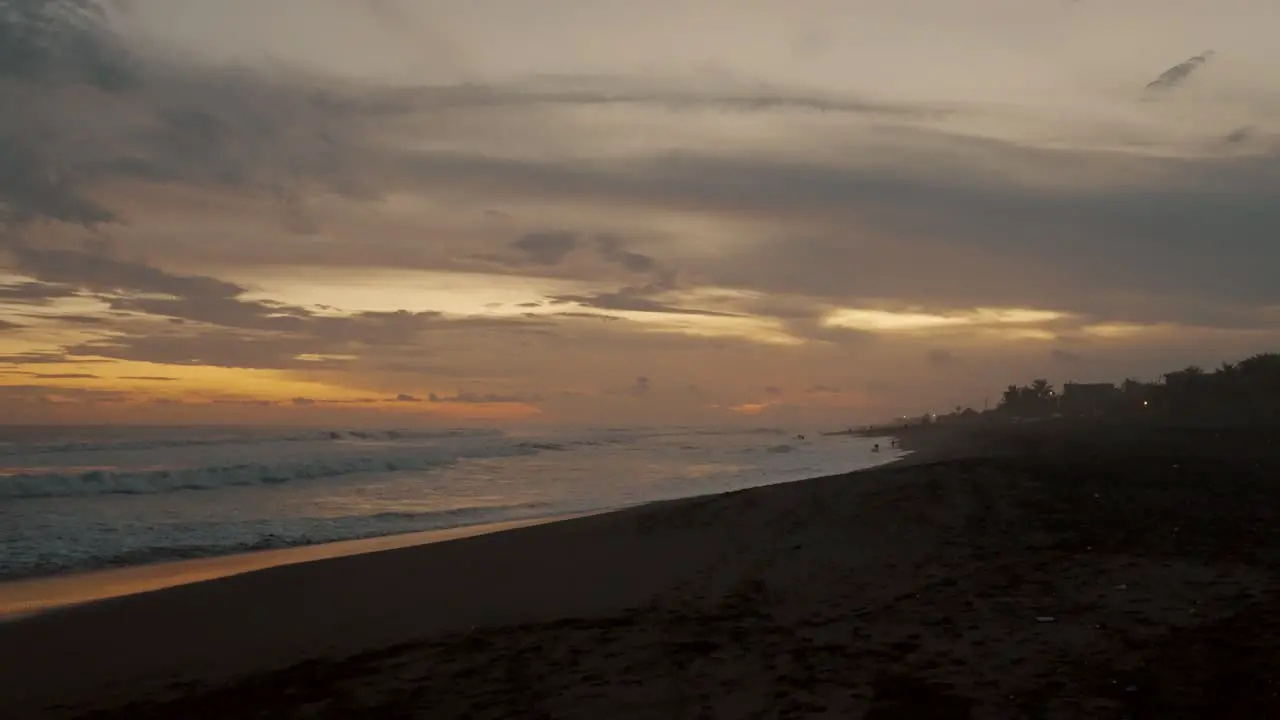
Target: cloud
column 404, row 398
column 472, row 398
column 63, row 376
column 60, row 40
column 273, row 133
column 218, row 325
column 634, row 299
column 303, row 401
column 55, row 395
column 46, row 44
column 583, row 315
column 95, row 270
column 252, row 403
column 1239, row 135
column 148, row 378
column 1176, row 75
column 546, row 248
column 588, row 90
column 708, row 196
column 611, row 249
column 40, row 358
column 70, row 319
column 33, row 293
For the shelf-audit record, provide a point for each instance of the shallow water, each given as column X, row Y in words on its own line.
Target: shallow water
column 84, row 498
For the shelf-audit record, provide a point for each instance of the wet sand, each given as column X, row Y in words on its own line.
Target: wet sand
column 1053, row 572
column 19, row 598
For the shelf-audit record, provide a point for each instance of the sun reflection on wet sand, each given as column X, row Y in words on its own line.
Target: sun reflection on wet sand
column 25, row 597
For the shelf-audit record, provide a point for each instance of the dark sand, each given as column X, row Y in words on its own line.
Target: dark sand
column 1039, row 572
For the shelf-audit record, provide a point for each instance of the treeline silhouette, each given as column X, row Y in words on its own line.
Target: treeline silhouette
column 1247, row 391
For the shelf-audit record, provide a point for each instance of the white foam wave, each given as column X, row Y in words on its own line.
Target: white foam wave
column 244, row 437
column 306, row 532
column 150, row 481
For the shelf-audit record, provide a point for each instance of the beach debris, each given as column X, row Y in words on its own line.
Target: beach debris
column 1046, row 618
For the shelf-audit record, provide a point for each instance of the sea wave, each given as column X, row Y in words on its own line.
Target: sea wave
column 313, row 531
column 69, row 482
column 242, row 437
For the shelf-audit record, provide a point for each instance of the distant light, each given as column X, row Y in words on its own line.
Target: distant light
column 1144, row 403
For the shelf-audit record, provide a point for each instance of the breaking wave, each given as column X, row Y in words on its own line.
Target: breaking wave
column 12, row 446
column 358, row 459
column 312, row 531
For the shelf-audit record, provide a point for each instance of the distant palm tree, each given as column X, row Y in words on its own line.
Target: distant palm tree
column 1011, row 396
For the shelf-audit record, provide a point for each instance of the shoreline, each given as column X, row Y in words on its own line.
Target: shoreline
column 25, row 597
column 1055, row 571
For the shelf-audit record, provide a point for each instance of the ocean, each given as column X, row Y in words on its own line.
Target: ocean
column 88, row 498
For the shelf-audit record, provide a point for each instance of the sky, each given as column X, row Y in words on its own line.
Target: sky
column 498, row 212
